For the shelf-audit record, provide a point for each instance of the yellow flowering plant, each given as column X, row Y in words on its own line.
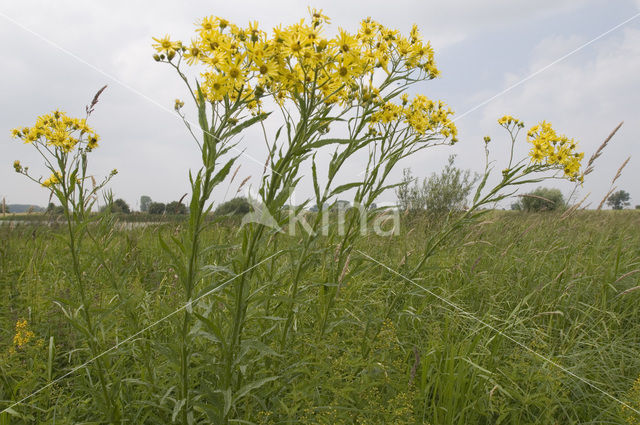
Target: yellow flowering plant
column 345, row 93
column 64, row 143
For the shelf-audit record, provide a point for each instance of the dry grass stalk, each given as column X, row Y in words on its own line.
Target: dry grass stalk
column 242, row 183
column 605, row 198
column 619, row 172
column 235, row 173
column 266, row 163
column 573, row 208
column 89, row 108
column 600, row 149
column 345, row 269
column 626, row 275
column 628, row 291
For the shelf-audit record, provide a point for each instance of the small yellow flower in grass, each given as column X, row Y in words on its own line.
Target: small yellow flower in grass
column 178, row 105
column 23, row 334
column 17, row 166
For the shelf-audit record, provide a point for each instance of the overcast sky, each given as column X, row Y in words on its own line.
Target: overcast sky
column 482, row 48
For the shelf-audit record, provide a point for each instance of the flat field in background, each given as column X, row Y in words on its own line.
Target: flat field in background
column 392, row 353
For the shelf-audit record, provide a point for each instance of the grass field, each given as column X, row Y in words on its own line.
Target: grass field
column 522, row 291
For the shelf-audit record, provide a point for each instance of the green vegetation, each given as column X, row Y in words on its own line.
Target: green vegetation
column 391, row 353
column 618, row 200
column 444, row 192
column 284, row 320
column 236, row 206
column 145, row 201
column 541, row 199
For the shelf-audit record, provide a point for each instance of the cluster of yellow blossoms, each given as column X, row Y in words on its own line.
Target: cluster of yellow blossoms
column 53, row 180
column 548, row 147
column 297, row 61
column 421, row 114
column 554, row 149
column 508, row 120
column 59, row 131
column 23, row 334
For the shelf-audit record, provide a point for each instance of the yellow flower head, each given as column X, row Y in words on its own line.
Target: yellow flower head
column 59, row 131
column 557, row 150
column 23, row 334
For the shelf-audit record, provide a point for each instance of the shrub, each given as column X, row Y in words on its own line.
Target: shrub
column 55, row 209
column 447, row 191
column 145, row 201
column 157, row 208
column 235, row 206
column 175, row 208
column 618, row 200
column 541, row 199
column 120, row 206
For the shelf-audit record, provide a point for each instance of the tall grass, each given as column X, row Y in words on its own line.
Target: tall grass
column 558, row 287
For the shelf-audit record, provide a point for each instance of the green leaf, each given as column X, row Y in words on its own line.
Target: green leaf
column 177, row 408
column 252, row 386
column 244, row 124
column 345, row 187
column 324, row 142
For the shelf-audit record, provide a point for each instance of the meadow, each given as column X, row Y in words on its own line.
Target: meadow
column 385, row 351
column 466, row 315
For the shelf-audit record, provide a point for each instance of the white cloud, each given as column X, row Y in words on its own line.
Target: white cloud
column 585, row 97
column 116, row 37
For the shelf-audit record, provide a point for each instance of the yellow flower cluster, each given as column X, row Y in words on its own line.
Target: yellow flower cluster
column 554, row 149
column 53, row 180
column 246, row 63
column 58, row 130
column 422, row 115
column 508, row 120
column 23, row 334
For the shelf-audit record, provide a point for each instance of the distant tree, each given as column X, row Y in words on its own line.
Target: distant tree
column 120, row 206
column 176, row 208
column 407, row 193
column 341, row 205
column 144, row 203
column 541, row 199
column 238, row 205
column 156, row 208
column 618, row 200
column 54, row 209
column 447, row 191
